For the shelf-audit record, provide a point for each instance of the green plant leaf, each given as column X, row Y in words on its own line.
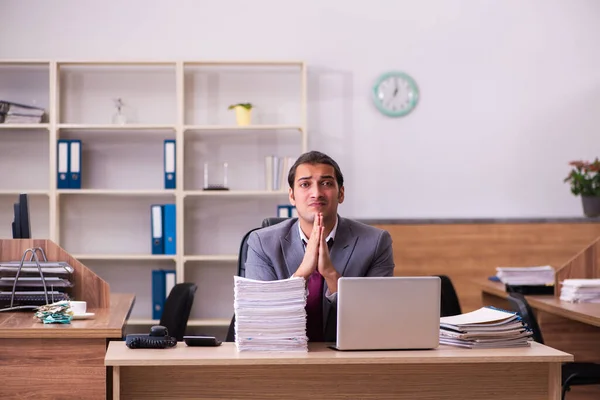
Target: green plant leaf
column 247, row 106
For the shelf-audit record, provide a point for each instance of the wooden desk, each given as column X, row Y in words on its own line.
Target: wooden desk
column 445, row 373
column 571, row 327
column 59, row 361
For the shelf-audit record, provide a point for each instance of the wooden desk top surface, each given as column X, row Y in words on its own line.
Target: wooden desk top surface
column 119, row 355
column 107, row 323
column 588, row 313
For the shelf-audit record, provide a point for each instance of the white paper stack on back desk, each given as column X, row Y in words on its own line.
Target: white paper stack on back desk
column 543, row 275
column 270, row 315
column 485, row 328
column 580, row 290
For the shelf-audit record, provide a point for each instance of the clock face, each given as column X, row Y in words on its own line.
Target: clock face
column 395, row 94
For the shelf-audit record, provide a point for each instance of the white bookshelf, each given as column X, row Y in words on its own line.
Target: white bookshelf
column 116, row 192
column 113, row 127
column 123, row 257
column 106, row 224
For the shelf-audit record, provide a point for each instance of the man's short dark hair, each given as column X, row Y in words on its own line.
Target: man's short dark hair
column 315, row 157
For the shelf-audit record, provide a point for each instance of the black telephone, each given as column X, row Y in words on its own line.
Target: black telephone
column 157, row 339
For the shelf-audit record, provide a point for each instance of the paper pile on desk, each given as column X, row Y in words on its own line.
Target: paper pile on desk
column 485, row 328
column 270, row 315
column 580, row 290
column 543, row 275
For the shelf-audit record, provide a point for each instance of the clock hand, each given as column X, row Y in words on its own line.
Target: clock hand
column 396, row 89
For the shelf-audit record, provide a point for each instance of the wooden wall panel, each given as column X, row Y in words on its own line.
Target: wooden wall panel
column 469, row 251
column 585, row 265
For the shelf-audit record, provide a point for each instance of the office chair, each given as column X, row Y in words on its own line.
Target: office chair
column 176, row 311
column 450, row 305
column 241, row 271
column 573, row 373
column 272, row 221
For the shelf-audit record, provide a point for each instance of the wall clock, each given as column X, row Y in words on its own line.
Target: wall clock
column 395, row 94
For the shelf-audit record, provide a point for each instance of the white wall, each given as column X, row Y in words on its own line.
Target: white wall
column 510, row 88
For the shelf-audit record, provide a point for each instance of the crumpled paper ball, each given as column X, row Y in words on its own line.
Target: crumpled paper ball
column 55, row 313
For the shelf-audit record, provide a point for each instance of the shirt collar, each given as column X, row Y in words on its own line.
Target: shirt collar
column 331, row 234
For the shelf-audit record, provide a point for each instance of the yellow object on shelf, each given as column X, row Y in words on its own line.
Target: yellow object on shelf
column 243, row 115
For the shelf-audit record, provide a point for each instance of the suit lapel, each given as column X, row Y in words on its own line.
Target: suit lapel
column 343, row 246
column 293, row 252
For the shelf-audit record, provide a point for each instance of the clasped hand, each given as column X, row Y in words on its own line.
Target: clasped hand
column 316, row 255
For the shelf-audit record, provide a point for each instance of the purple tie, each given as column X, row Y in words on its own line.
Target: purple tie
column 314, row 307
column 314, row 304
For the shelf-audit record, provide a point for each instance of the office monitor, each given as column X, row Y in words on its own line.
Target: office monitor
column 21, row 226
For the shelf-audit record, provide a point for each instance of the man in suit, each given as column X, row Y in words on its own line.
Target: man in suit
column 319, row 246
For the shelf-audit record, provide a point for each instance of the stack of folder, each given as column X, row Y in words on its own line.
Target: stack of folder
column 270, row 315
column 543, row 275
column 485, row 328
column 32, row 289
column 580, row 290
column 15, row 113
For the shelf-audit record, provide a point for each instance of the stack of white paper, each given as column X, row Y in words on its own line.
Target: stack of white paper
column 526, row 275
column 270, row 315
column 485, row 328
column 580, row 290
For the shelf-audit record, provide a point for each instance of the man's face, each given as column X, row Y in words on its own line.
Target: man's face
column 316, row 190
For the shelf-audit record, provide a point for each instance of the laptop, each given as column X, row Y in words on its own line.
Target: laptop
column 388, row 313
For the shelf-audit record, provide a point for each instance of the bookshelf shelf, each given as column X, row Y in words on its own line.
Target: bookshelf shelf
column 234, row 193
column 125, row 257
column 192, row 322
column 116, row 192
column 24, row 126
column 107, row 223
column 247, row 63
column 30, row 192
column 114, row 127
column 215, row 257
column 235, row 128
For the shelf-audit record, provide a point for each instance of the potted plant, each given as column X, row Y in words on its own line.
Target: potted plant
column 585, row 182
column 243, row 113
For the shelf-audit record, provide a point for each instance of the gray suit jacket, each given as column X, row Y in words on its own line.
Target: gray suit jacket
column 276, row 252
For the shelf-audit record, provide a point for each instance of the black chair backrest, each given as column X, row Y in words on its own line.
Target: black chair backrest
column 176, row 311
column 450, row 305
column 272, row 221
column 522, row 307
column 242, row 256
column 243, row 253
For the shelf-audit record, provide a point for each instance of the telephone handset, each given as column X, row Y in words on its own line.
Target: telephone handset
column 157, row 339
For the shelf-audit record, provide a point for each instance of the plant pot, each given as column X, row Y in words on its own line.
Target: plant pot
column 242, row 115
column 591, row 206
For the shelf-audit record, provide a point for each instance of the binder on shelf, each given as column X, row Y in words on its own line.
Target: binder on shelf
column 277, row 169
column 286, row 211
column 283, row 211
column 62, row 164
column 162, row 283
column 75, row 164
column 156, row 223
column 286, row 165
column 169, row 164
column 269, row 173
column 170, row 228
